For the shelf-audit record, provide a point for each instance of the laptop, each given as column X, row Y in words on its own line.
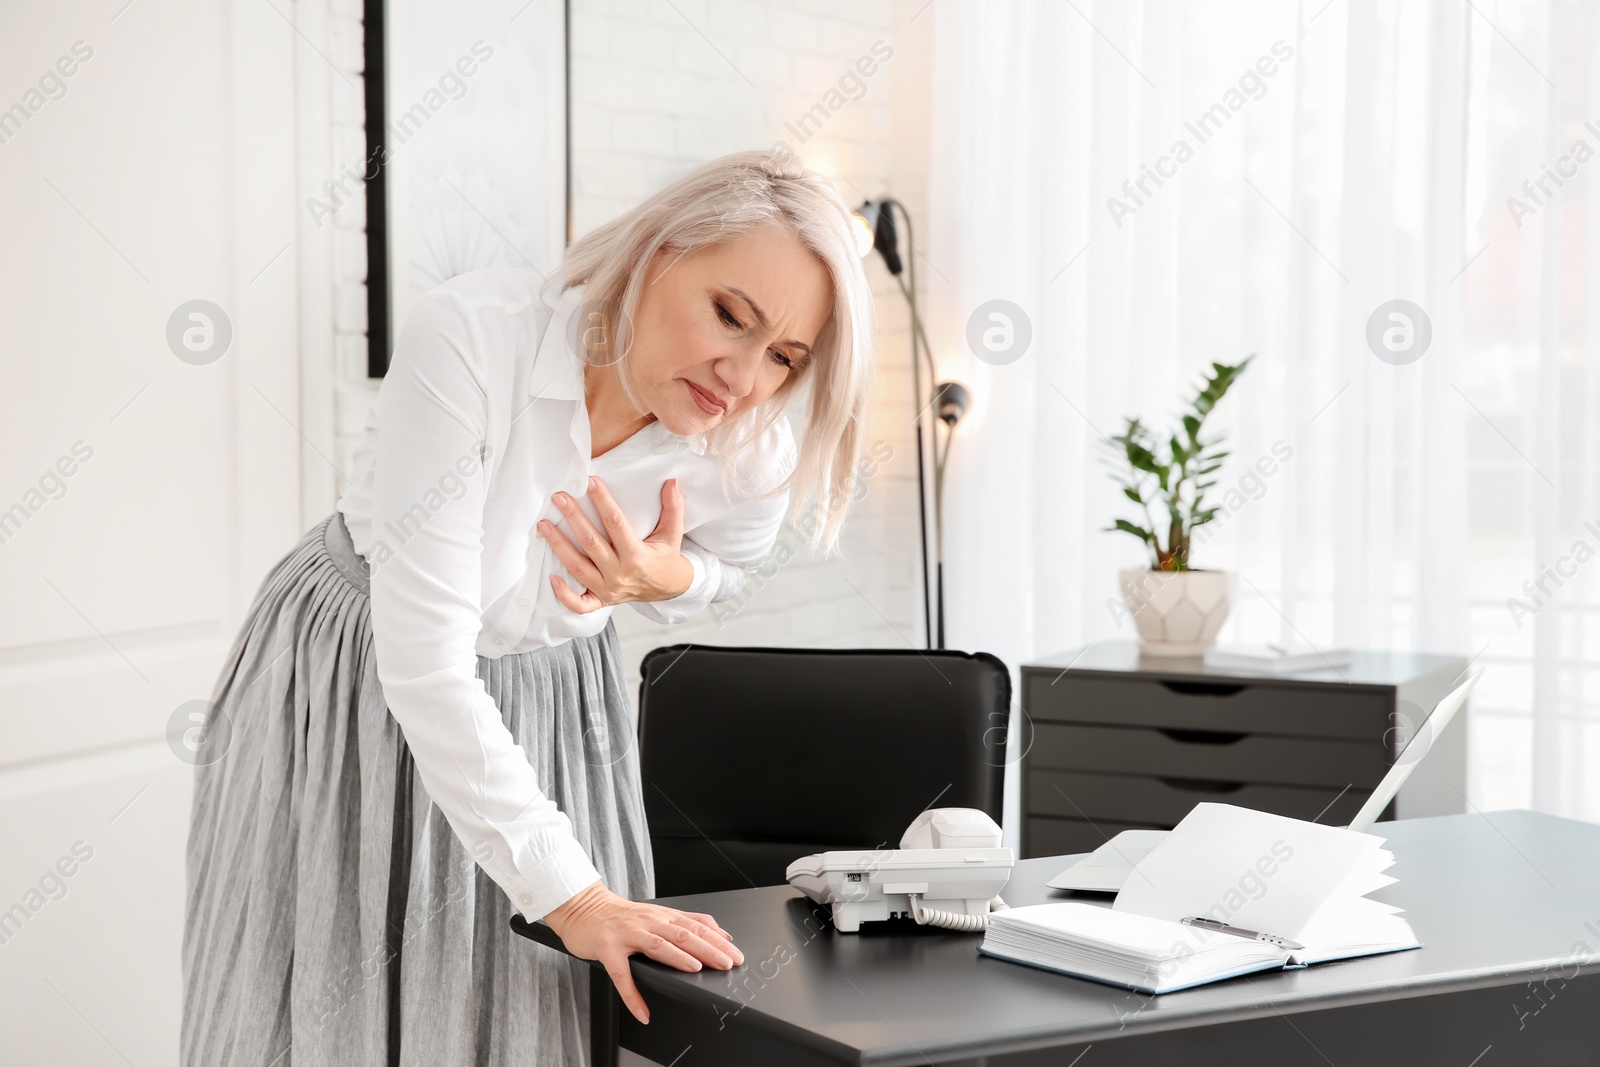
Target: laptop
column 1107, row 867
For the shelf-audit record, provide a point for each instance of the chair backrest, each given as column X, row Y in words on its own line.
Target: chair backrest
column 754, row 757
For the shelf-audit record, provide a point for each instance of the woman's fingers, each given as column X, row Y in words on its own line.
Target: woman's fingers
column 578, row 565
column 712, row 935
column 681, row 947
column 669, row 529
column 711, row 922
column 688, row 941
column 596, row 545
column 582, row 603
column 623, row 539
column 616, row 965
column 658, row 943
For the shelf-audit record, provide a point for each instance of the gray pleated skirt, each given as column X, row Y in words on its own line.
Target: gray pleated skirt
column 332, row 916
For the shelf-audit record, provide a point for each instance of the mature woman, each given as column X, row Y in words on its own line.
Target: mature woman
column 429, row 728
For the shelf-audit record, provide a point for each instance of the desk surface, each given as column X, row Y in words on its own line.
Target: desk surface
column 1495, row 898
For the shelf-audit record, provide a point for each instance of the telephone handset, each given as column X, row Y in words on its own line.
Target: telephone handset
column 948, row 871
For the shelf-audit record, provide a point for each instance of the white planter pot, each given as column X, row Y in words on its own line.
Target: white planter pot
column 1178, row 613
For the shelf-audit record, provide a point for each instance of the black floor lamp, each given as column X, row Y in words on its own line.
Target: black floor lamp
column 949, row 399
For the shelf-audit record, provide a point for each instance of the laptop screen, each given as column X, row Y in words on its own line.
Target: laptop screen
column 1414, row 752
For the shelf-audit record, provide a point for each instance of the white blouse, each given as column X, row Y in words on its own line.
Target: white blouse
column 480, row 419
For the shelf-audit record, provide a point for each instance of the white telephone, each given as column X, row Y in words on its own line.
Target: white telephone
column 948, row 871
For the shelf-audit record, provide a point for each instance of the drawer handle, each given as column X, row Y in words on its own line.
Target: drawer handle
column 1201, row 785
column 1204, row 689
column 1204, row 737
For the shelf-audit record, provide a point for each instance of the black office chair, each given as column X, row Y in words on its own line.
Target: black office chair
column 754, row 757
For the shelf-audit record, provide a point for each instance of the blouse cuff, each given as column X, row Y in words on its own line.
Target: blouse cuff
column 554, row 880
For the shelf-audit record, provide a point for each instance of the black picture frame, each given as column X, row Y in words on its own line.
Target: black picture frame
column 377, row 185
column 380, row 279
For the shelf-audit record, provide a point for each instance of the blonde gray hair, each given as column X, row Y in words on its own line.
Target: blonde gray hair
column 719, row 202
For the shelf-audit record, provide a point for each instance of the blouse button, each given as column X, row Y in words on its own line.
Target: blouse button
column 522, row 601
column 498, row 640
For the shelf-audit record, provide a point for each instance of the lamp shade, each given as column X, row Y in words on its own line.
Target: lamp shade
column 879, row 216
column 861, row 228
column 954, row 399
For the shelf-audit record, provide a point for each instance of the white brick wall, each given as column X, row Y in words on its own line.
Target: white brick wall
column 658, row 88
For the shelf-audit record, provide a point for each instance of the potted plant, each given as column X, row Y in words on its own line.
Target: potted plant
column 1178, row 610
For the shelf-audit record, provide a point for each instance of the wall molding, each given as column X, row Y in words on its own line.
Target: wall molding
column 68, row 658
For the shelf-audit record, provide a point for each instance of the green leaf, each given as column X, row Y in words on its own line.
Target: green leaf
column 1138, row 531
column 1142, row 455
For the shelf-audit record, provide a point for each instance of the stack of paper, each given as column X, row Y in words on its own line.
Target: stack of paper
column 1123, row 949
column 1276, row 659
column 1287, row 878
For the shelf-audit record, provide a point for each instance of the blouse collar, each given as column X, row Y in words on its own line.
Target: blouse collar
column 557, row 372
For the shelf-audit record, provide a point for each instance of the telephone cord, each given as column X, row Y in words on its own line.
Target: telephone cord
column 954, row 920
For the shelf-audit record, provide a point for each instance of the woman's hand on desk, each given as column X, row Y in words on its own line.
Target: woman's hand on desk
column 599, row 925
column 614, row 565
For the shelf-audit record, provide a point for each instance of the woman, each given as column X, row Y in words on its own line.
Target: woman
column 429, row 728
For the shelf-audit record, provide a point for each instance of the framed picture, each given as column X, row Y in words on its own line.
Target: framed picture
column 469, row 166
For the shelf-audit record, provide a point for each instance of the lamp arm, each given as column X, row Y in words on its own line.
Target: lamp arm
column 917, row 335
column 910, row 291
column 916, row 386
column 939, row 458
column 921, row 353
column 920, row 335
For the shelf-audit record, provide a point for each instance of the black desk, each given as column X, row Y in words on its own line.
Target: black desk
column 1507, row 906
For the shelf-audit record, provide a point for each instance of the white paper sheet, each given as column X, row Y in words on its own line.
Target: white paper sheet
column 1250, row 869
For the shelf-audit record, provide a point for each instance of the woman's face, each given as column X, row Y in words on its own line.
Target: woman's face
column 718, row 331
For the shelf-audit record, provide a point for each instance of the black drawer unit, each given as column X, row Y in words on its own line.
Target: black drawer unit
column 1115, row 741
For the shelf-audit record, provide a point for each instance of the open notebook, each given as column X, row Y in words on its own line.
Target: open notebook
column 1294, row 880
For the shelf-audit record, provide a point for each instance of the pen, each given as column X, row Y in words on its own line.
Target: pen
column 1239, row 931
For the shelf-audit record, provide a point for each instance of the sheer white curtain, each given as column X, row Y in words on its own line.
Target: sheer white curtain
column 1306, row 164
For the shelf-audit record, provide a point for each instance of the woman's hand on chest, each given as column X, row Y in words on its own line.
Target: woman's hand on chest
column 615, row 565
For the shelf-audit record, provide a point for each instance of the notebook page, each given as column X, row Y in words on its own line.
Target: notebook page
column 1246, row 868
column 1137, row 937
column 1350, row 924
